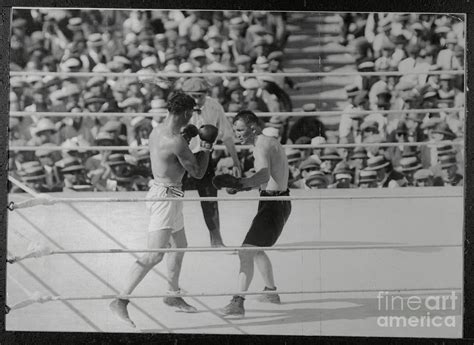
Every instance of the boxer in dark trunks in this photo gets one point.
(271, 178)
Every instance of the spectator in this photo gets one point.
(451, 177)
(252, 100)
(408, 167)
(316, 180)
(74, 176)
(44, 132)
(309, 165)
(33, 176)
(358, 162)
(423, 178)
(342, 176)
(386, 175)
(368, 179)
(329, 160)
(294, 159)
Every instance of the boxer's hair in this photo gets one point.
(249, 118)
(180, 103)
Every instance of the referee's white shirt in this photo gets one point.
(212, 113)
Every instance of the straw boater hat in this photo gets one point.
(309, 107)
(195, 85)
(74, 23)
(250, 84)
(130, 102)
(44, 150)
(367, 176)
(140, 121)
(95, 40)
(422, 174)
(293, 155)
(447, 161)
(111, 126)
(242, 59)
(70, 165)
(445, 150)
(116, 159)
(309, 163)
(410, 164)
(359, 153)
(275, 55)
(342, 170)
(352, 90)
(104, 139)
(143, 155)
(316, 179)
(43, 125)
(95, 81)
(32, 171)
(318, 140)
(377, 163)
(90, 98)
(330, 154)
(443, 128)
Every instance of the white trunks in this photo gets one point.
(165, 215)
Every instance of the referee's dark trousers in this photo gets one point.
(205, 188)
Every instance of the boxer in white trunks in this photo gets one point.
(170, 158)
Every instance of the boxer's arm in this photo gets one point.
(262, 168)
(230, 146)
(194, 164)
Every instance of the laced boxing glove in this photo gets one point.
(227, 181)
(208, 134)
(188, 132)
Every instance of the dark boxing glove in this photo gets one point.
(188, 132)
(208, 134)
(227, 181)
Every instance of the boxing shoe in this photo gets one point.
(179, 303)
(235, 307)
(119, 308)
(269, 298)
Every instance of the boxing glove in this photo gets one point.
(188, 132)
(208, 134)
(227, 181)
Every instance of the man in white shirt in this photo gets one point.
(209, 112)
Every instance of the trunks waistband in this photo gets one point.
(275, 192)
(167, 184)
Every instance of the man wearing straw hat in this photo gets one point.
(271, 177)
(386, 176)
(170, 158)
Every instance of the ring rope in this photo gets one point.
(228, 74)
(42, 250)
(23, 186)
(38, 298)
(296, 113)
(242, 147)
(48, 200)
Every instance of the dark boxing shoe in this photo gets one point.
(269, 298)
(235, 308)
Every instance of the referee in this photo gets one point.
(209, 112)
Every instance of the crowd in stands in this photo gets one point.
(145, 42)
